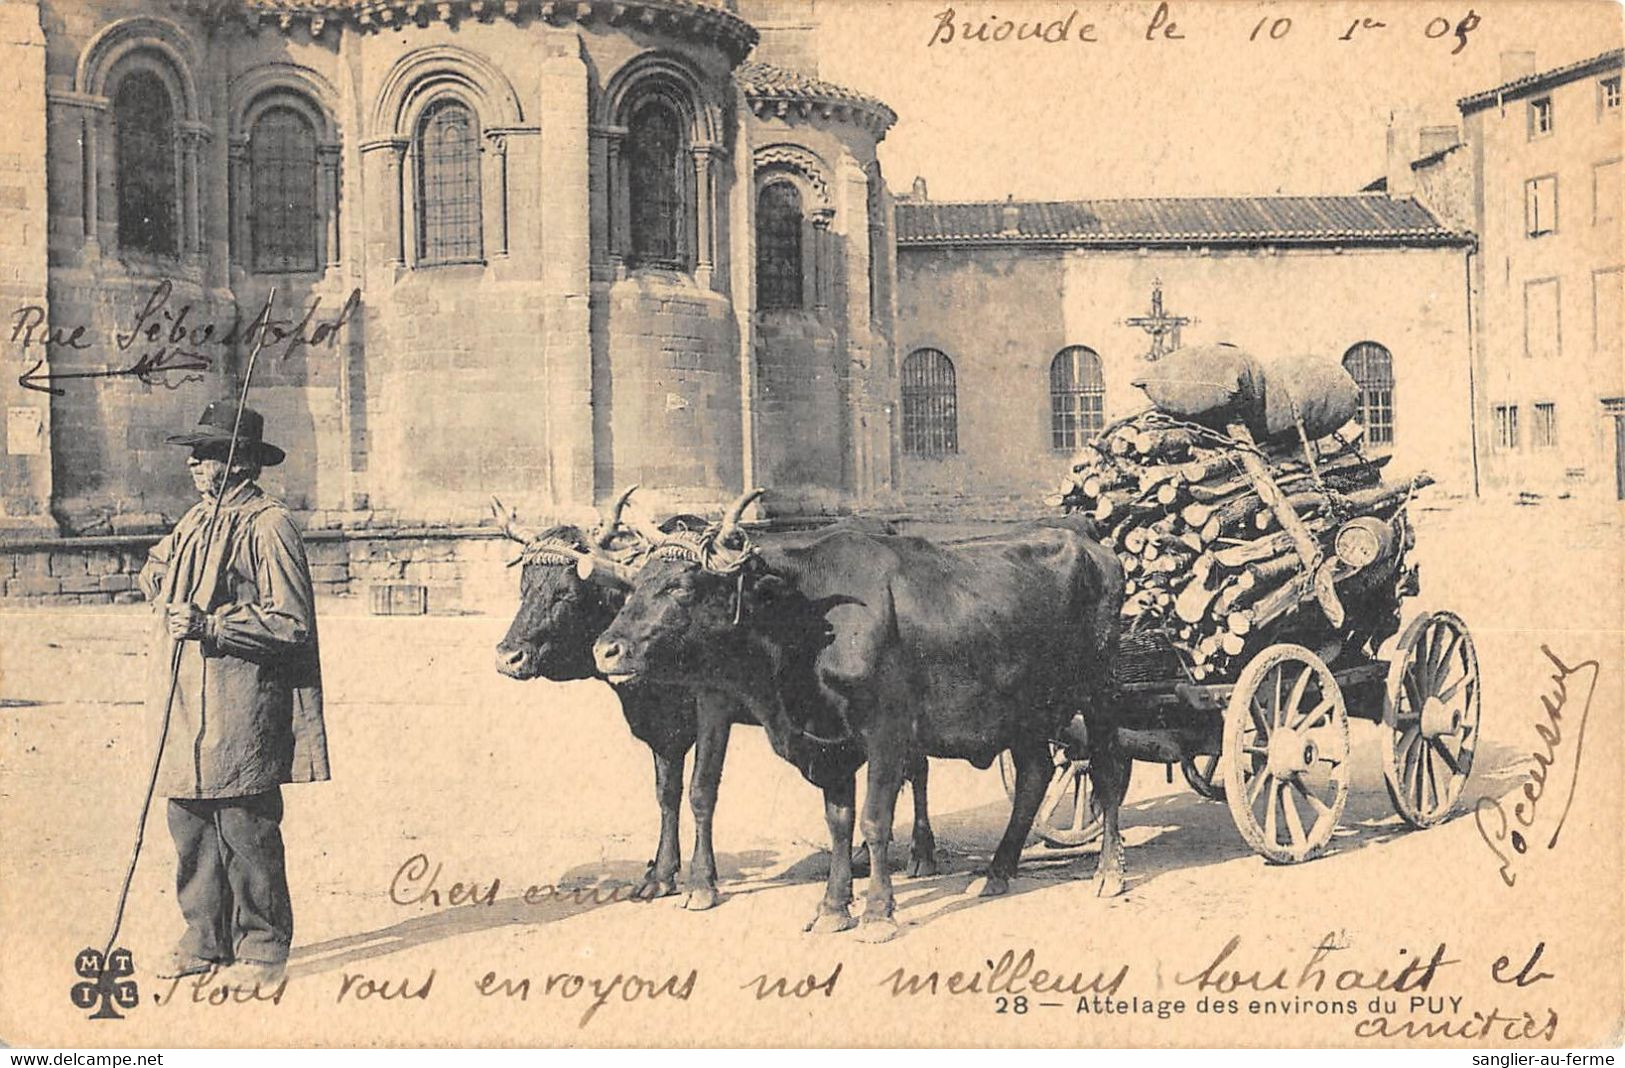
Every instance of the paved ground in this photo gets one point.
(537, 783)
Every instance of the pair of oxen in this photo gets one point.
(857, 647)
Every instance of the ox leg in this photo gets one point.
(709, 753)
(660, 880)
(879, 809)
(1109, 769)
(922, 859)
(1033, 769)
(834, 912)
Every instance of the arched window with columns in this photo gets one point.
(450, 222)
(283, 171)
(661, 136)
(438, 147)
(145, 148)
(285, 214)
(778, 246)
(1077, 397)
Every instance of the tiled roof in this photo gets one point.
(767, 87)
(1534, 82)
(1339, 220)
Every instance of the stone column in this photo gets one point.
(496, 179)
(25, 439)
(328, 203)
(822, 258)
(240, 201)
(704, 206)
(562, 166)
(383, 159)
(851, 190)
(191, 138)
(95, 112)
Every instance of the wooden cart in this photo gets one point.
(1273, 741)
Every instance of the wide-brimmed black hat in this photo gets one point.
(215, 429)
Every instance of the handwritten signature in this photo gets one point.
(171, 343)
(1524, 812)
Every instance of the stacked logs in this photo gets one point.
(1221, 540)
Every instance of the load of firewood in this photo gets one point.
(1223, 540)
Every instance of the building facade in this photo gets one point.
(1022, 326)
(1549, 275)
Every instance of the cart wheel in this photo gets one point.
(1068, 815)
(1199, 773)
(1286, 747)
(1431, 712)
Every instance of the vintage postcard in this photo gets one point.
(812, 522)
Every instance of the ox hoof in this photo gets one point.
(1109, 884)
(922, 866)
(988, 886)
(831, 922)
(880, 929)
(701, 898)
(650, 889)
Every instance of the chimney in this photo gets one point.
(1436, 139)
(1012, 217)
(1515, 65)
(1403, 137)
(918, 192)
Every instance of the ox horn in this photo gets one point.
(649, 532)
(612, 518)
(510, 523)
(730, 521)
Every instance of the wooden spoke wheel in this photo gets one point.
(1068, 816)
(1286, 747)
(1205, 775)
(1431, 712)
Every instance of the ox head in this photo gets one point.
(571, 584)
(691, 590)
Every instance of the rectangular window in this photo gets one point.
(1540, 205)
(1506, 427)
(1541, 336)
(1605, 191)
(1544, 434)
(1540, 117)
(1607, 309)
(1608, 93)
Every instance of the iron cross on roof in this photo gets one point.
(1163, 328)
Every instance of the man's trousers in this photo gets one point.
(230, 879)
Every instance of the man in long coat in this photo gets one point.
(245, 709)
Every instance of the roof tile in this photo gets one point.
(1334, 220)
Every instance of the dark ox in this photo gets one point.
(572, 583)
(889, 649)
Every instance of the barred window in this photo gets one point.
(1545, 428)
(1077, 397)
(778, 246)
(144, 118)
(448, 157)
(930, 404)
(1372, 367)
(285, 220)
(1506, 427)
(654, 144)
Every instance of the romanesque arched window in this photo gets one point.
(1373, 369)
(930, 404)
(285, 218)
(448, 184)
(654, 151)
(148, 190)
(778, 246)
(1077, 397)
